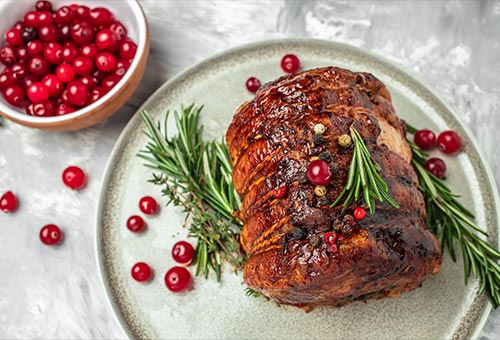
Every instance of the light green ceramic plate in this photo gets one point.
(442, 308)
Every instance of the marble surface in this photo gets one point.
(56, 293)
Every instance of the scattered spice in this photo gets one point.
(326, 156)
(319, 128)
(344, 140)
(280, 192)
(298, 234)
(315, 240)
(324, 200)
(319, 190)
(317, 139)
(330, 237)
(313, 158)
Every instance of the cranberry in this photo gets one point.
(135, 224)
(128, 49)
(98, 75)
(38, 66)
(121, 68)
(183, 252)
(74, 177)
(449, 142)
(318, 172)
(65, 73)
(35, 47)
(29, 33)
(148, 205)
(119, 29)
(253, 84)
(22, 53)
(83, 13)
(64, 109)
(38, 92)
(107, 40)
(101, 17)
(436, 166)
(31, 19)
(330, 237)
(45, 18)
(105, 61)
(110, 81)
(83, 65)
(20, 25)
(77, 93)
(64, 33)
(6, 79)
(141, 272)
(82, 33)
(64, 98)
(53, 53)
(69, 52)
(54, 85)
(14, 37)
(290, 63)
(19, 70)
(96, 94)
(7, 56)
(50, 235)
(177, 279)
(64, 16)
(48, 33)
(43, 109)
(359, 213)
(28, 80)
(14, 95)
(89, 81)
(280, 192)
(89, 51)
(8, 202)
(30, 109)
(43, 6)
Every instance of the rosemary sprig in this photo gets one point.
(196, 175)
(364, 175)
(454, 225)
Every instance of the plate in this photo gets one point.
(442, 308)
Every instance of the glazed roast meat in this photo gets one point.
(272, 140)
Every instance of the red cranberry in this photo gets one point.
(128, 49)
(135, 224)
(64, 16)
(64, 98)
(19, 70)
(77, 93)
(110, 81)
(119, 29)
(449, 142)
(89, 51)
(83, 65)
(43, 109)
(148, 205)
(28, 80)
(253, 84)
(48, 33)
(29, 109)
(6, 79)
(35, 47)
(22, 53)
(177, 279)
(105, 61)
(31, 19)
(45, 18)
(8, 202)
(141, 272)
(54, 84)
(96, 94)
(69, 52)
(290, 63)
(183, 252)
(98, 75)
(101, 17)
(64, 33)
(14, 95)
(436, 166)
(65, 73)
(107, 40)
(330, 237)
(53, 53)
(19, 25)
(38, 66)
(318, 172)
(38, 92)
(82, 33)
(43, 6)
(7, 56)
(64, 109)
(51, 235)
(74, 177)
(83, 13)
(89, 81)
(280, 192)
(121, 68)
(14, 37)
(29, 33)
(359, 213)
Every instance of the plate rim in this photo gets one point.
(192, 69)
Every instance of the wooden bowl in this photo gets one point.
(132, 16)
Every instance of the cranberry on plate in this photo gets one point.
(51, 235)
(177, 279)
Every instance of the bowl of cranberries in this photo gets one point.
(68, 65)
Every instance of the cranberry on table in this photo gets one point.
(359, 213)
(148, 205)
(318, 172)
(141, 272)
(290, 63)
(51, 235)
(449, 142)
(105, 61)
(38, 92)
(177, 279)
(436, 166)
(135, 224)
(253, 84)
(8, 202)
(74, 177)
(14, 95)
(183, 252)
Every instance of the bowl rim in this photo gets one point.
(22, 118)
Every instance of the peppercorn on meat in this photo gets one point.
(300, 250)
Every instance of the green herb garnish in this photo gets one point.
(196, 175)
(364, 175)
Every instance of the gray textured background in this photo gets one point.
(56, 293)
